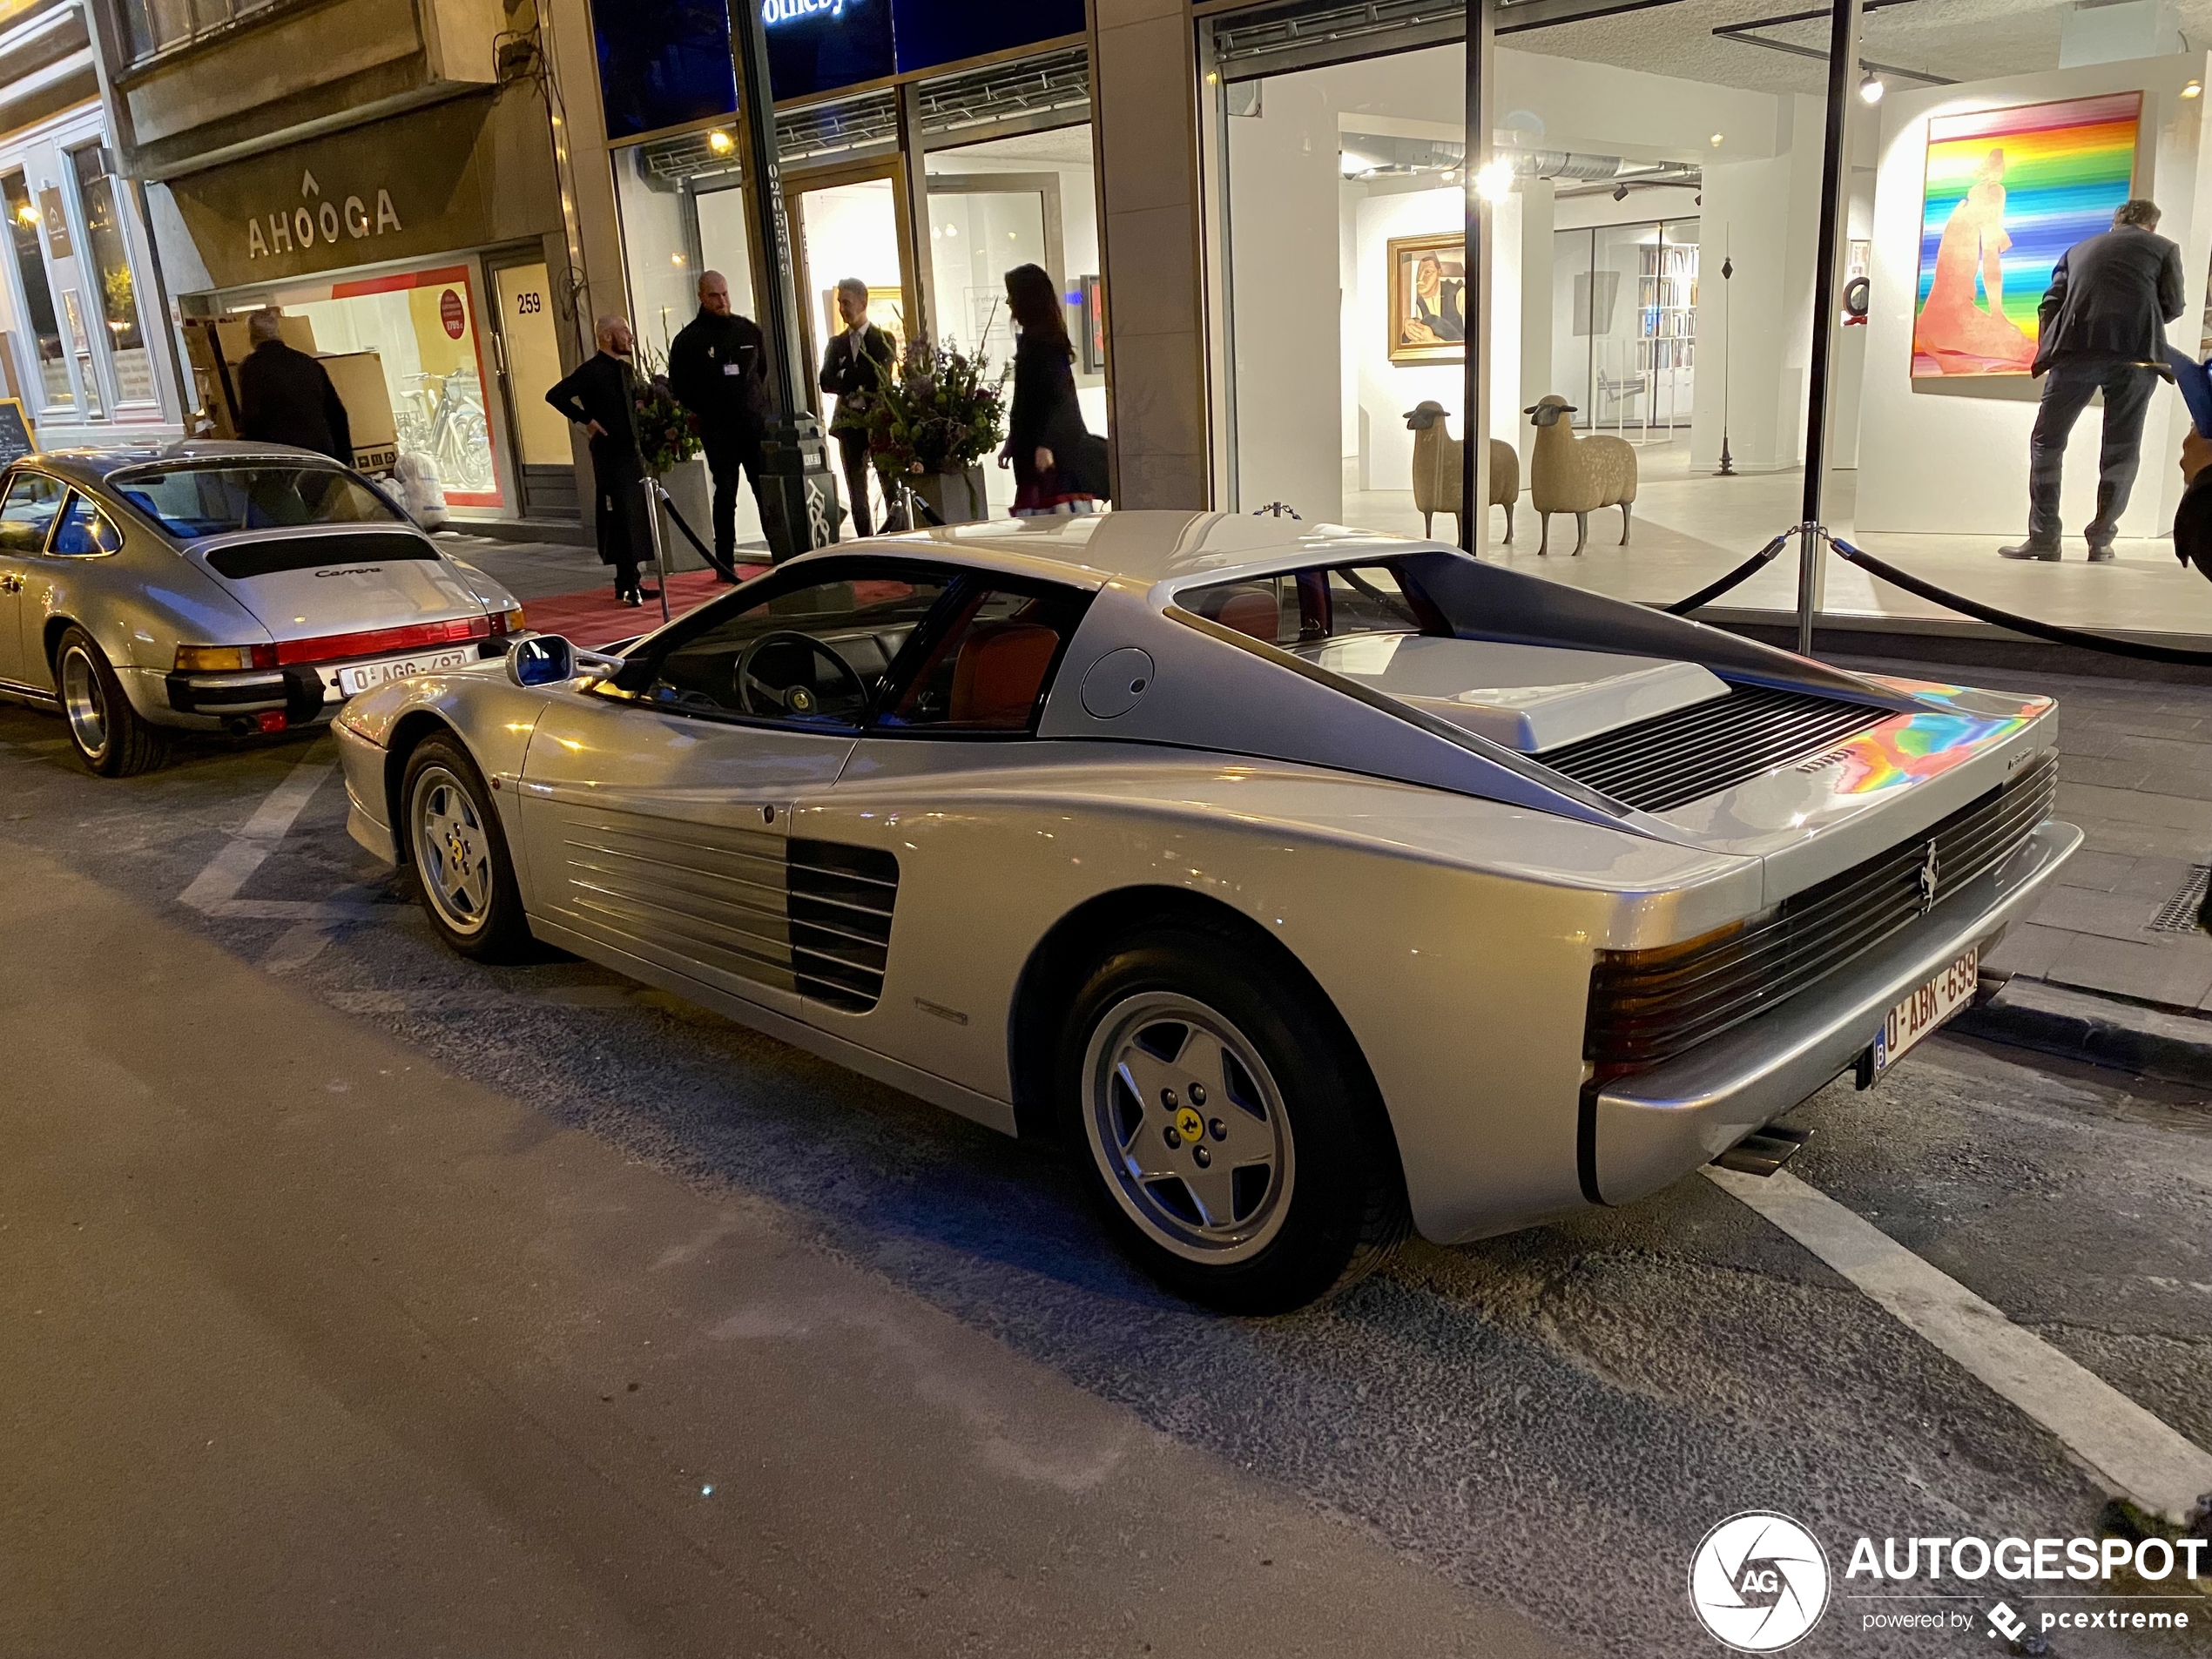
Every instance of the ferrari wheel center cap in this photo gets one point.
(1190, 1125)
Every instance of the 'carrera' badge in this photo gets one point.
(1930, 870)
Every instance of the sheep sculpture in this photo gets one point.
(1577, 476)
(1439, 485)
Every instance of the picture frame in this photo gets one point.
(1426, 322)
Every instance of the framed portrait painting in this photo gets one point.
(1427, 320)
(2006, 194)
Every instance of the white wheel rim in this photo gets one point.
(85, 701)
(452, 850)
(1159, 1065)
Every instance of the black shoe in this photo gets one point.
(2031, 549)
(2100, 553)
(628, 599)
(645, 593)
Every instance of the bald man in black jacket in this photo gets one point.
(601, 396)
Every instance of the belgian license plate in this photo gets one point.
(1926, 1009)
(358, 676)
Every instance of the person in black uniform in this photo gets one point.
(719, 369)
(852, 370)
(285, 396)
(601, 396)
(2100, 327)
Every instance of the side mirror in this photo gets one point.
(541, 659)
(550, 659)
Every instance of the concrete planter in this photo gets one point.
(693, 490)
(956, 497)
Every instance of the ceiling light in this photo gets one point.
(1717, 136)
(2195, 89)
(1352, 166)
(1451, 176)
(1870, 89)
(1493, 179)
(720, 142)
(1619, 192)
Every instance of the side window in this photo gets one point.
(85, 531)
(989, 669)
(814, 656)
(27, 512)
(1306, 607)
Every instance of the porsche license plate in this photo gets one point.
(358, 676)
(1926, 1009)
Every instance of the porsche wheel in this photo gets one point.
(108, 734)
(1229, 1128)
(459, 851)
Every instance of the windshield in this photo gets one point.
(1312, 607)
(193, 501)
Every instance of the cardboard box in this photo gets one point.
(358, 376)
(215, 346)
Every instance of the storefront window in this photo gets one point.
(111, 265)
(37, 294)
(1027, 201)
(682, 214)
(422, 326)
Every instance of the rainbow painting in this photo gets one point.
(2007, 192)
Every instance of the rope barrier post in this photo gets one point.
(1808, 582)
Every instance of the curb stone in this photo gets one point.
(2099, 1030)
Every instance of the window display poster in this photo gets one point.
(2006, 194)
(1427, 297)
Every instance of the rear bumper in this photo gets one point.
(1642, 1132)
(295, 692)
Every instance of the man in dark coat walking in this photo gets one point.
(852, 371)
(602, 397)
(2101, 329)
(285, 396)
(718, 368)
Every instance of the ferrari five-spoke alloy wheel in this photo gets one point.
(1225, 1120)
(452, 851)
(109, 735)
(1187, 1123)
(455, 842)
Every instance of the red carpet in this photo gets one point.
(592, 618)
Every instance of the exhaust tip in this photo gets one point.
(1764, 1152)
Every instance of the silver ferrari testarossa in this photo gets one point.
(1315, 885)
(218, 587)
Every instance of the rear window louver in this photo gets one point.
(241, 560)
(1660, 764)
(841, 899)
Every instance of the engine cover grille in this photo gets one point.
(1697, 751)
(1647, 1006)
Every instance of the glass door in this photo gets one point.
(54, 395)
(528, 351)
(845, 225)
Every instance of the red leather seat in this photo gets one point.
(998, 672)
(1255, 614)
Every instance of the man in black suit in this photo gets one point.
(852, 371)
(718, 368)
(602, 397)
(285, 396)
(2101, 329)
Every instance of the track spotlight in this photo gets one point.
(1870, 89)
(1619, 192)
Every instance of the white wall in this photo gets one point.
(1954, 458)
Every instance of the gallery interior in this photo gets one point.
(1655, 204)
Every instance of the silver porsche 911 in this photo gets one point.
(245, 588)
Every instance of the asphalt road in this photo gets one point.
(357, 1299)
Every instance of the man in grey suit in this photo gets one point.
(2101, 329)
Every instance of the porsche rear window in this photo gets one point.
(1305, 607)
(193, 501)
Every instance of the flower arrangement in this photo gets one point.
(668, 434)
(938, 410)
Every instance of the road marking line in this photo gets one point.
(214, 891)
(2132, 1450)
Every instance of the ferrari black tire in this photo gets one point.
(458, 849)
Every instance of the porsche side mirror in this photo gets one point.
(541, 659)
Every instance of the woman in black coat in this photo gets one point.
(1054, 456)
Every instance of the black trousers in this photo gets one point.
(853, 453)
(2067, 387)
(618, 514)
(728, 449)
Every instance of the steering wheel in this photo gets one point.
(753, 692)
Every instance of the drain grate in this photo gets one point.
(2178, 914)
